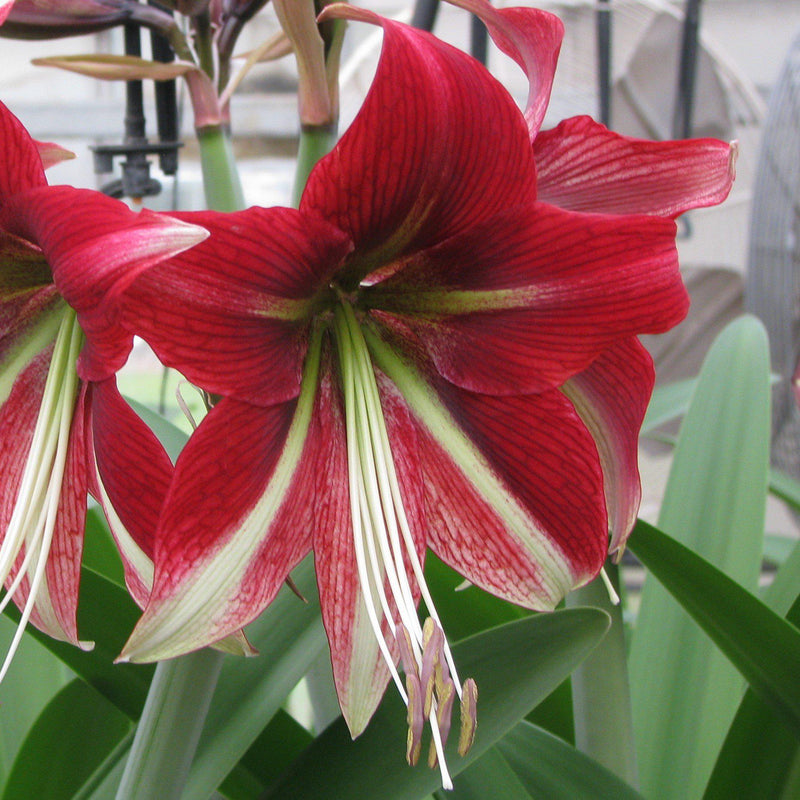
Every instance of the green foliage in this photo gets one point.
(515, 665)
(684, 692)
(70, 739)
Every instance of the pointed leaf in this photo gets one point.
(34, 677)
(466, 610)
(70, 739)
(668, 401)
(106, 614)
(489, 776)
(761, 645)
(270, 755)
(515, 666)
(786, 487)
(756, 728)
(548, 767)
(684, 692)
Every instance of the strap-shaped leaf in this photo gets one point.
(548, 767)
(71, 738)
(515, 666)
(761, 645)
(756, 727)
(684, 691)
(105, 616)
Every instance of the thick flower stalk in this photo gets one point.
(427, 354)
(64, 428)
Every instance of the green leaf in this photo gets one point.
(550, 768)
(465, 611)
(515, 666)
(33, 678)
(100, 554)
(756, 728)
(684, 692)
(70, 739)
(786, 487)
(106, 616)
(761, 645)
(489, 776)
(171, 436)
(778, 548)
(668, 402)
(289, 635)
(601, 690)
(276, 747)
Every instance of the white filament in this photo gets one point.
(381, 532)
(33, 519)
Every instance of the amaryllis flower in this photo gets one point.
(64, 428)
(417, 357)
(582, 166)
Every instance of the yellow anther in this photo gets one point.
(469, 716)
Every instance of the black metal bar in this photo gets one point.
(424, 15)
(478, 39)
(134, 101)
(166, 101)
(687, 72)
(604, 31)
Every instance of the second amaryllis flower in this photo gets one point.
(64, 428)
(392, 359)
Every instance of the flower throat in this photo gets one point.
(383, 546)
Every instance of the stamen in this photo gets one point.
(612, 593)
(386, 556)
(469, 716)
(33, 519)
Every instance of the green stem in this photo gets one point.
(223, 189)
(315, 142)
(170, 727)
(600, 691)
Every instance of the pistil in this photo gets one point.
(384, 549)
(33, 519)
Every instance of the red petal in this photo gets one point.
(525, 301)
(359, 670)
(95, 247)
(59, 592)
(232, 314)
(611, 397)
(585, 167)
(222, 549)
(532, 38)
(22, 167)
(57, 600)
(437, 147)
(543, 456)
(134, 473)
(513, 486)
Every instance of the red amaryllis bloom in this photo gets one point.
(392, 359)
(64, 429)
(582, 166)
